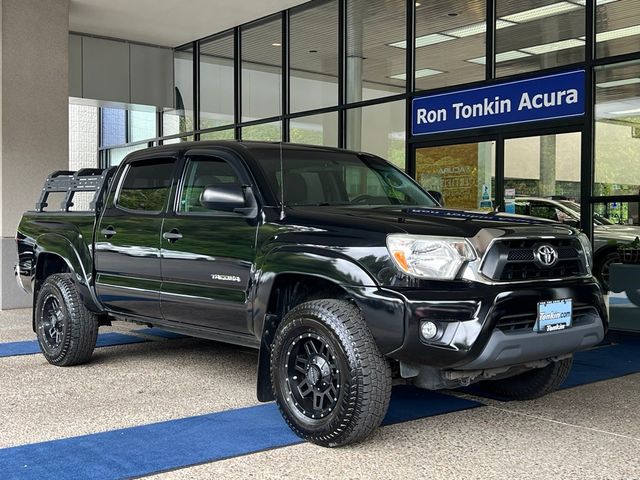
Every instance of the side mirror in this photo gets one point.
(231, 198)
(437, 196)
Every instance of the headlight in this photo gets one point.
(438, 258)
(587, 249)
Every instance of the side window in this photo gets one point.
(200, 173)
(544, 211)
(146, 185)
(522, 208)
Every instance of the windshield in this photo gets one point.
(319, 178)
(597, 218)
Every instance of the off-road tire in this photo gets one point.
(363, 396)
(535, 383)
(78, 327)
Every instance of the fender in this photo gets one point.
(379, 307)
(322, 263)
(79, 262)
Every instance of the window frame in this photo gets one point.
(188, 156)
(123, 176)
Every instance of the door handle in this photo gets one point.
(172, 236)
(108, 232)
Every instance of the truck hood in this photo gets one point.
(360, 233)
(422, 221)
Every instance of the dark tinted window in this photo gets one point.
(146, 185)
(319, 177)
(201, 173)
(542, 210)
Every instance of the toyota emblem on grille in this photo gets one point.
(546, 255)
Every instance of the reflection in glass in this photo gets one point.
(142, 125)
(315, 130)
(461, 174)
(218, 135)
(617, 141)
(546, 166)
(378, 129)
(450, 42)
(266, 132)
(314, 55)
(375, 67)
(617, 27)
(536, 35)
(261, 70)
(617, 261)
(116, 155)
(180, 119)
(216, 82)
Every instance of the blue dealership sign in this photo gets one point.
(559, 95)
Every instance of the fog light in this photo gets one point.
(428, 330)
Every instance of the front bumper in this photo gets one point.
(490, 326)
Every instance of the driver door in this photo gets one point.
(207, 256)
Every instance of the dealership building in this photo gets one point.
(476, 340)
(485, 102)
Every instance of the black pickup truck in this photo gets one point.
(337, 266)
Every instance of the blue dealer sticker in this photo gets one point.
(554, 315)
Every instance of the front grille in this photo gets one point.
(582, 315)
(514, 260)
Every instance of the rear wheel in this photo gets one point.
(532, 384)
(66, 330)
(331, 383)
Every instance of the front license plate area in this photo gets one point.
(554, 315)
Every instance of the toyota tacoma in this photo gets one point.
(336, 265)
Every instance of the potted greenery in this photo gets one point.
(630, 253)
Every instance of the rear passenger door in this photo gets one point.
(127, 246)
(208, 255)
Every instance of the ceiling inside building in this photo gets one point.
(166, 22)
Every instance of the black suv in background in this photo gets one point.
(336, 265)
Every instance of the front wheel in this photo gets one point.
(66, 330)
(532, 384)
(331, 383)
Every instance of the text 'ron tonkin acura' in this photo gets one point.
(337, 266)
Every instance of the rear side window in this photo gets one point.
(146, 185)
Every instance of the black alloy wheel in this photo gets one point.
(331, 383)
(67, 331)
(51, 326)
(312, 374)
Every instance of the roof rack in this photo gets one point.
(70, 182)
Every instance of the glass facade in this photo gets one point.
(343, 73)
(457, 27)
(315, 130)
(262, 69)
(617, 130)
(216, 82)
(314, 56)
(540, 34)
(378, 129)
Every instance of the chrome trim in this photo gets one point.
(473, 270)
